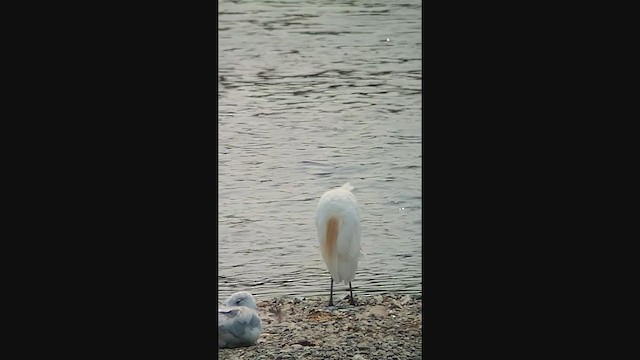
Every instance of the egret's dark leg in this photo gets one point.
(353, 302)
(331, 294)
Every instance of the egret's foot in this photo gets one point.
(352, 301)
(331, 302)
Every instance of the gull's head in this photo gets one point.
(242, 298)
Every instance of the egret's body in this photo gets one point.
(338, 225)
(238, 322)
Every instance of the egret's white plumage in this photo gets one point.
(238, 322)
(338, 225)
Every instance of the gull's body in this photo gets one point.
(238, 322)
(338, 225)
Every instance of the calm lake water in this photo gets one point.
(313, 94)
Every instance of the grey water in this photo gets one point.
(311, 95)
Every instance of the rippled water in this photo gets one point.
(313, 94)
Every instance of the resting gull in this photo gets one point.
(238, 322)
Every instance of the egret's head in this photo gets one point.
(242, 298)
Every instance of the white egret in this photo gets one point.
(338, 225)
(238, 322)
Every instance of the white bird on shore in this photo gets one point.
(338, 224)
(238, 322)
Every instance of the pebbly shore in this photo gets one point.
(386, 326)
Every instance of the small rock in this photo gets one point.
(379, 299)
(305, 342)
(377, 311)
(296, 346)
(358, 357)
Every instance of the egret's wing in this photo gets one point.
(326, 210)
(349, 236)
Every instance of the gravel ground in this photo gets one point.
(387, 326)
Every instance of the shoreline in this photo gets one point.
(385, 326)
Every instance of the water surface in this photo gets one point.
(313, 94)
